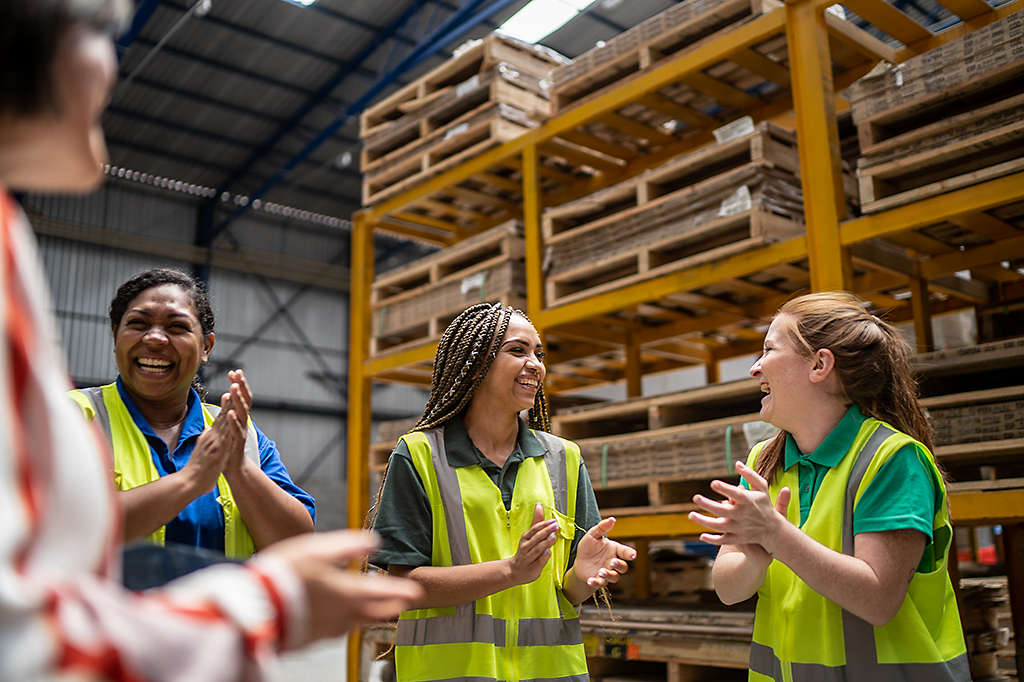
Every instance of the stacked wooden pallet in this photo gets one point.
(652, 454)
(985, 605)
(741, 192)
(676, 577)
(413, 304)
(948, 118)
(488, 93)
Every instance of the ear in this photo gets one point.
(207, 347)
(823, 365)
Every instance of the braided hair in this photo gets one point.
(464, 354)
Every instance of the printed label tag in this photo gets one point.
(457, 130)
(474, 281)
(467, 86)
(737, 202)
(730, 131)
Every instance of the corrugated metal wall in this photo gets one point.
(294, 356)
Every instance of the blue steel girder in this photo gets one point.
(314, 101)
(454, 28)
(143, 13)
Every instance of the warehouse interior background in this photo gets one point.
(234, 143)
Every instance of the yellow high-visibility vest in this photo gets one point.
(800, 635)
(527, 632)
(133, 461)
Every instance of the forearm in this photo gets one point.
(738, 572)
(454, 585)
(846, 580)
(269, 512)
(155, 504)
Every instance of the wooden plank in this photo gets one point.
(756, 62)
(887, 18)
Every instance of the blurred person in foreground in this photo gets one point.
(62, 614)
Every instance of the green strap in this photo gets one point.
(604, 466)
(728, 446)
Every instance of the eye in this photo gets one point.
(541, 355)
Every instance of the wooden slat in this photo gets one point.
(670, 107)
(724, 93)
(859, 39)
(593, 142)
(636, 129)
(757, 63)
(966, 9)
(576, 155)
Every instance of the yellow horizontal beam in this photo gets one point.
(986, 506)
(655, 525)
(934, 210)
(685, 280)
(401, 359)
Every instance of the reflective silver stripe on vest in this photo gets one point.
(555, 461)
(102, 418)
(549, 632)
(451, 498)
(859, 635)
(566, 678)
(461, 628)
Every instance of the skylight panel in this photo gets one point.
(540, 18)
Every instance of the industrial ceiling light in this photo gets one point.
(300, 3)
(540, 18)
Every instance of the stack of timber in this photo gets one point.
(492, 90)
(413, 304)
(678, 635)
(946, 119)
(985, 616)
(388, 433)
(739, 193)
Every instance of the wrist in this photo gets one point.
(773, 538)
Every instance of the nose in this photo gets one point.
(755, 368)
(155, 335)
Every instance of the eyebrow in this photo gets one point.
(142, 311)
(525, 342)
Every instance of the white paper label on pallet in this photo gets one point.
(899, 76)
(737, 202)
(730, 131)
(755, 432)
(457, 130)
(474, 281)
(467, 86)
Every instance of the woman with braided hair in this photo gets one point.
(494, 517)
(841, 522)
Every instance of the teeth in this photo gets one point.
(765, 389)
(153, 363)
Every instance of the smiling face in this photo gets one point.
(517, 372)
(159, 345)
(785, 376)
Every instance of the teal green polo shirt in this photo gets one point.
(404, 520)
(903, 495)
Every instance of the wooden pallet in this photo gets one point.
(649, 44)
(446, 149)
(413, 133)
(532, 60)
(950, 140)
(413, 305)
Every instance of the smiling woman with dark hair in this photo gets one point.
(185, 477)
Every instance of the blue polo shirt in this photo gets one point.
(201, 522)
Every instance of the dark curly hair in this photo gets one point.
(30, 34)
(196, 290)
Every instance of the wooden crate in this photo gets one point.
(415, 132)
(484, 128)
(413, 304)
(947, 119)
(533, 61)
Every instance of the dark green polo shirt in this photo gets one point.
(904, 494)
(404, 520)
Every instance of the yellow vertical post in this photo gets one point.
(531, 228)
(634, 389)
(818, 141)
(359, 388)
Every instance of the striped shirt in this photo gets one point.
(62, 612)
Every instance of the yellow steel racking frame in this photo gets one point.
(828, 234)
